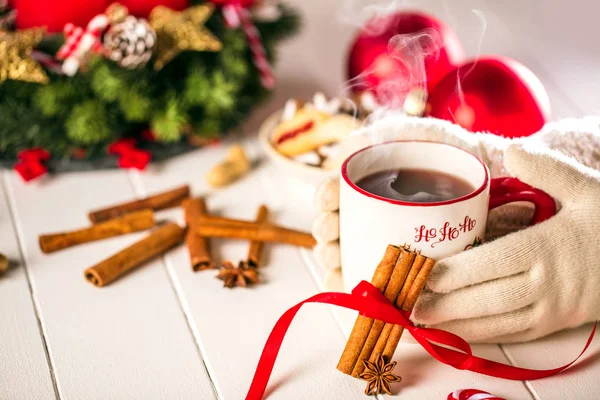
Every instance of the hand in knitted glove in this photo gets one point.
(326, 226)
(532, 282)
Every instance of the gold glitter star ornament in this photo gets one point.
(181, 31)
(15, 56)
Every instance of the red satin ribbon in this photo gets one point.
(369, 301)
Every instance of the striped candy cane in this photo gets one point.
(79, 42)
(472, 394)
(235, 15)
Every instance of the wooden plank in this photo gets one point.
(579, 382)
(128, 340)
(24, 365)
(232, 325)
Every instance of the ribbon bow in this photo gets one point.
(371, 303)
(30, 164)
(129, 155)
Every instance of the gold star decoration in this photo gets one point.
(181, 31)
(15, 56)
(379, 375)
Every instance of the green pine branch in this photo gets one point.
(209, 92)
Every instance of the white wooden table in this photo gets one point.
(164, 332)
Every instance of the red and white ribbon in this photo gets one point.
(79, 42)
(236, 15)
(472, 394)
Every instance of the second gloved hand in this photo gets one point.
(533, 282)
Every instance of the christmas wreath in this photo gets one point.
(111, 85)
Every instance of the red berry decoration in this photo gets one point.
(396, 53)
(493, 94)
(31, 163)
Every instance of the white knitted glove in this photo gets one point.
(326, 226)
(529, 283)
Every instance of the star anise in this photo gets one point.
(233, 276)
(379, 376)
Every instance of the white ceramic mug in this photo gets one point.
(368, 223)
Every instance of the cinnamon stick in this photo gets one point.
(406, 285)
(198, 246)
(120, 263)
(363, 325)
(160, 201)
(128, 223)
(395, 284)
(235, 229)
(217, 220)
(255, 250)
(407, 305)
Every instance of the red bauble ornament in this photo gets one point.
(494, 94)
(142, 8)
(396, 53)
(54, 14)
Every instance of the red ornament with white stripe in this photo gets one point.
(472, 394)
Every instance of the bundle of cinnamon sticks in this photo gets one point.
(138, 215)
(400, 276)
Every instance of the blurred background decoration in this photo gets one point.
(413, 60)
(152, 81)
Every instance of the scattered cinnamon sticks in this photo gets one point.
(198, 247)
(201, 226)
(159, 201)
(136, 221)
(400, 276)
(119, 264)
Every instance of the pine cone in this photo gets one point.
(130, 43)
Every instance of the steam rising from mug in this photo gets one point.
(397, 53)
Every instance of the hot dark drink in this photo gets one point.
(415, 185)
